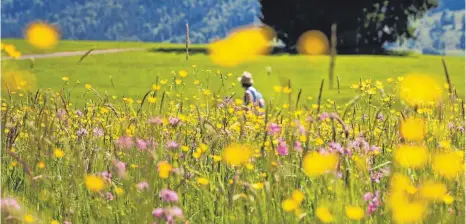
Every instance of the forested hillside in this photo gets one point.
(144, 20)
(164, 20)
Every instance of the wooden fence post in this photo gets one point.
(187, 41)
(333, 54)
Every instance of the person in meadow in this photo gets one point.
(251, 95)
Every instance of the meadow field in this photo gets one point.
(133, 73)
(150, 137)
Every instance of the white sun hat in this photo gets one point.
(246, 78)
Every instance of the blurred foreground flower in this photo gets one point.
(420, 90)
(316, 164)
(432, 190)
(313, 42)
(411, 156)
(13, 79)
(10, 50)
(237, 154)
(448, 164)
(242, 45)
(42, 35)
(413, 129)
(408, 212)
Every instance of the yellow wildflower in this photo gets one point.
(319, 142)
(217, 158)
(119, 191)
(297, 196)
(58, 153)
(94, 183)
(206, 92)
(258, 186)
(445, 144)
(28, 218)
(354, 212)
(183, 73)
(324, 215)
(289, 205)
(447, 199)
(286, 89)
(202, 181)
(164, 169)
(277, 89)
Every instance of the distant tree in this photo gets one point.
(436, 34)
(447, 18)
(363, 25)
(461, 44)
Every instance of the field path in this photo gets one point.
(74, 53)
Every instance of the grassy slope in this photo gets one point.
(134, 72)
(69, 45)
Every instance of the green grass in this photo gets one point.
(133, 73)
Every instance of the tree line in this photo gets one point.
(363, 26)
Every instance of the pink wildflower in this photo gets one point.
(120, 168)
(107, 176)
(141, 144)
(282, 148)
(125, 142)
(168, 195)
(373, 202)
(298, 147)
(274, 129)
(142, 185)
(157, 212)
(174, 121)
(9, 203)
(172, 145)
(155, 120)
(98, 132)
(323, 116)
(109, 196)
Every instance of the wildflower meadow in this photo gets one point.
(392, 154)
